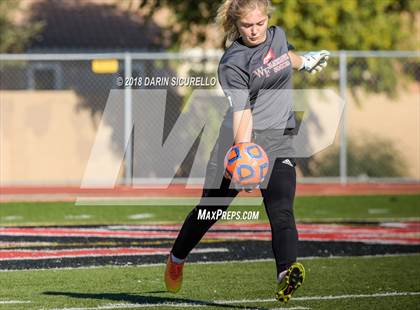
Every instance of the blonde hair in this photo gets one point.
(232, 10)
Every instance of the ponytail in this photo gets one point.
(226, 20)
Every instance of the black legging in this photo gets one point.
(278, 198)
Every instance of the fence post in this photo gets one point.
(343, 131)
(128, 163)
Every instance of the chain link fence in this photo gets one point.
(52, 106)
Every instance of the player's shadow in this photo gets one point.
(146, 300)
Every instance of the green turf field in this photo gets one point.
(332, 283)
(235, 285)
(307, 209)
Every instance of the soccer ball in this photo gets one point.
(246, 164)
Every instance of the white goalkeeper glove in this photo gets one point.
(314, 62)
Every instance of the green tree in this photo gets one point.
(348, 24)
(329, 24)
(323, 24)
(13, 38)
(353, 25)
(370, 156)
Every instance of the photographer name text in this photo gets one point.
(192, 81)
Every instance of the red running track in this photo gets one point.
(399, 233)
(387, 233)
(99, 252)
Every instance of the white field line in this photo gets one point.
(245, 261)
(221, 302)
(125, 306)
(339, 220)
(166, 305)
(10, 302)
(330, 297)
(78, 217)
(296, 308)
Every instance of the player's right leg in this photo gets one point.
(173, 274)
(217, 195)
(192, 231)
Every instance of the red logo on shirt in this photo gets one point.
(270, 56)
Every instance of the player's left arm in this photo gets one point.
(296, 60)
(312, 62)
(242, 126)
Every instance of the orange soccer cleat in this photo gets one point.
(173, 275)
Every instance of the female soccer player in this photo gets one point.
(255, 73)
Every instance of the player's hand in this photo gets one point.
(246, 188)
(314, 62)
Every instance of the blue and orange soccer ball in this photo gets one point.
(246, 164)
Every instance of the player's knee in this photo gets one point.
(280, 207)
(282, 218)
